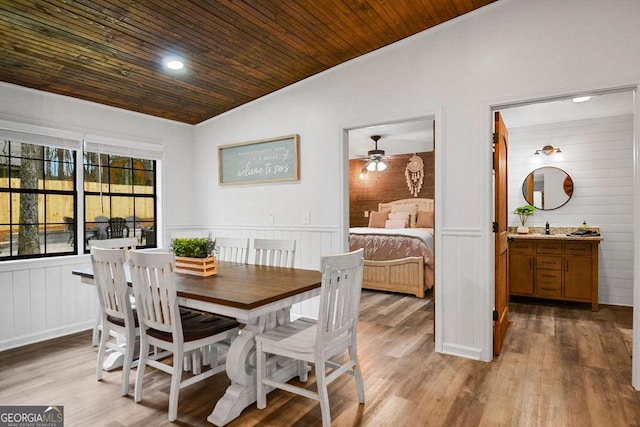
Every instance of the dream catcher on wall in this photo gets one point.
(415, 174)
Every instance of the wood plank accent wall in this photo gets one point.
(385, 186)
(598, 155)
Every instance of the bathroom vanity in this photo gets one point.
(554, 266)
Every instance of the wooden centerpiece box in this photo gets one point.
(197, 266)
(194, 255)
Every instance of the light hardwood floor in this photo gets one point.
(562, 365)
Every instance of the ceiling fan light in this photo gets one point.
(371, 166)
(381, 166)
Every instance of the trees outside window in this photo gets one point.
(37, 193)
(38, 199)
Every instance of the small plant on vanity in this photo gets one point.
(524, 212)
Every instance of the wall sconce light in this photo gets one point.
(548, 150)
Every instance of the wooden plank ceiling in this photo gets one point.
(112, 52)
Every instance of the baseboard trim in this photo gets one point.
(45, 335)
(462, 351)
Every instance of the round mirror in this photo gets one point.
(547, 188)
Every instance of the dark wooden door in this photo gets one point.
(501, 308)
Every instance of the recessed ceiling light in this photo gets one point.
(581, 99)
(175, 64)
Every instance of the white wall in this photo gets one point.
(598, 155)
(510, 51)
(507, 52)
(39, 299)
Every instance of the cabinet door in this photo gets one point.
(578, 277)
(520, 274)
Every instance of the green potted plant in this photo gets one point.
(195, 255)
(524, 212)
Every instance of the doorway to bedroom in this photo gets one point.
(390, 212)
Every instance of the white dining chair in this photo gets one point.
(233, 249)
(276, 253)
(311, 341)
(126, 243)
(161, 325)
(116, 312)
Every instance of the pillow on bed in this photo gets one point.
(425, 219)
(399, 216)
(411, 210)
(377, 219)
(396, 223)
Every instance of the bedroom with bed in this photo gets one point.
(391, 208)
(398, 247)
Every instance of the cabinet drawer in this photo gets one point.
(548, 290)
(577, 248)
(549, 283)
(549, 276)
(551, 248)
(549, 262)
(520, 247)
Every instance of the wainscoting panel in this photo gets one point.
(41, 299)
(461, 293)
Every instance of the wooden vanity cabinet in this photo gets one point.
(554, 269)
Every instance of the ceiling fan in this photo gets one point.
(376, 157)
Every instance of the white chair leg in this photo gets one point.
(176, 377)
(102, 349)
(261, 361)
(206, 355)
(303, 372)
(323, 395)
(95, 338)
(128, 360)
(187, 363)
(213, 355)
(142, 363)
(196, 362)
(357, 373)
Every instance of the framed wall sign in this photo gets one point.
(267, 160)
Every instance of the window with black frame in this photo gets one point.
(37, 199)
(119, 198)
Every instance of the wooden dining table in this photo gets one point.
(259, 297)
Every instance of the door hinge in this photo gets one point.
(495, 315)
(495, 227)
(494, 138)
